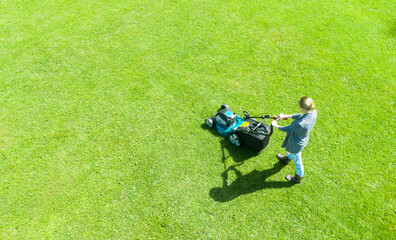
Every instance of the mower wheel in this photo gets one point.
(234, 139)
(209, 122)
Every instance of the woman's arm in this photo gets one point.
(284, 117)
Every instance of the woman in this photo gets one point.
(297, 136)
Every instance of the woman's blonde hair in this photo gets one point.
(307, 103)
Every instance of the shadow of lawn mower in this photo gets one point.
(246, 130)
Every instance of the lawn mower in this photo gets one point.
(246, 130)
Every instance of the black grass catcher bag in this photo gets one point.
(254, 134)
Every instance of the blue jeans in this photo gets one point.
(298, 163)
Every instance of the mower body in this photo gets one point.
(227, 130)
(246, 130)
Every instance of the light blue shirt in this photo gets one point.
(297, 136)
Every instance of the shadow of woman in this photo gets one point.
(248, 183)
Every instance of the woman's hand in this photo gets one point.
(275, 124)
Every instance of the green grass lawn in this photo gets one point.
(103, 104)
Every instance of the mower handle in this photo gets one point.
(247, 115)
(263, 117)
(272, 127)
